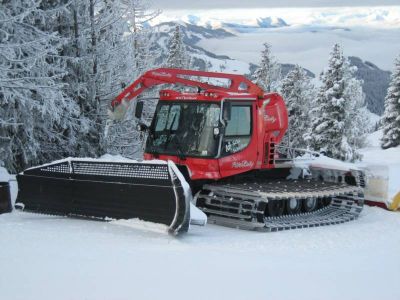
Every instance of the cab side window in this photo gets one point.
(238, 130)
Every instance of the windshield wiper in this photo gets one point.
(181, 154)
(169, 132)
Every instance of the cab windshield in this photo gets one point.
(185, 128)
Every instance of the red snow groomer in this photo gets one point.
(224, 139)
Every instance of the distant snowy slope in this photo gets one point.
(194, 36)
(374, 119)
(201, 58)
(374, 139)
(376, 83)
(193, 33)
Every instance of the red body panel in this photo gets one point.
(269, 124)
(269, 120)
(199, 168)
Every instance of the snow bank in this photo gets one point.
(141, 225)
(323, 162)
(197, 217)
(384, 164)
(374, 139)
(382, 168)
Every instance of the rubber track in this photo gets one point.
(242, 205)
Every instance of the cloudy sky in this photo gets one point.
(215, 4)
(369, 29)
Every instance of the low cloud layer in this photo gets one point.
(213, 4)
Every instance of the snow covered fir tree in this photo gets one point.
(39, 120)
(339, 122)
(298, 93)
(391, 117)
(177, 56)
(121, 136)
(62, 63)
(268, 74)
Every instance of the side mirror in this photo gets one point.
(139, 109)
(226, 115)
(141, 127)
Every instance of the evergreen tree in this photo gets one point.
(101, 62)
(62, 62)
(267, 75)
(177, 55)
(106, 49)
(298, 93)
(38, 120)
(391, 117)
(338, 125)
(358, 122)
(121, 137)
(139, 15)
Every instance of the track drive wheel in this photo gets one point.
(293, 206)
(275, 208)
(310, 204)
(326, 201)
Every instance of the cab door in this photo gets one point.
(238, 151)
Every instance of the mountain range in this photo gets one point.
(375, 83)
(375, 80)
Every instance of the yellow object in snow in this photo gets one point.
(396, 202)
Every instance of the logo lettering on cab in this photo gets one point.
(161, 74)
(242, 164)
(269, 119)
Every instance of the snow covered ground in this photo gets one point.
(45, 257)
(50, 257)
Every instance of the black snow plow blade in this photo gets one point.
(106, 190)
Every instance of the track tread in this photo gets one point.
(346, 203)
